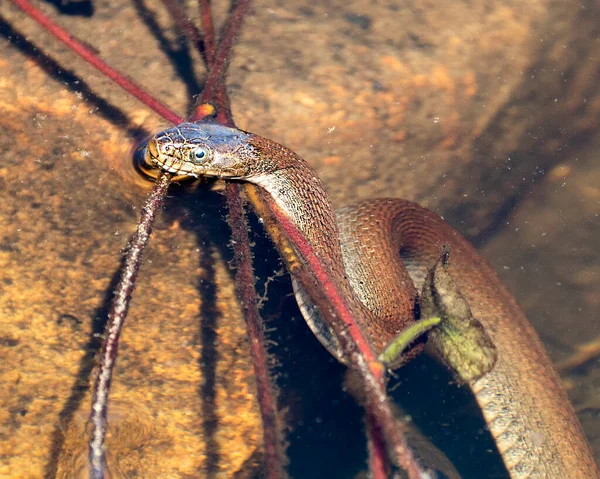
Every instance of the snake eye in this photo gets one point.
(199, 155)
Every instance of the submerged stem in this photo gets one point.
(208, 28)
(214, 91)
(117, 315)
(189, 30)
(89, 56)
(244, 280)
(310, 272)
(214, 101)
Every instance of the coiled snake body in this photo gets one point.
(379, 251)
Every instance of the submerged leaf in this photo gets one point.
(460, 338)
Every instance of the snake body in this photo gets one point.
(378, 253)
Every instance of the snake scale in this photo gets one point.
(378, 252)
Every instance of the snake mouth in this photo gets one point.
(175, 166)
(152, 161)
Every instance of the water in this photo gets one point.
(448, 104)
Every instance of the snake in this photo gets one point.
(378, 252)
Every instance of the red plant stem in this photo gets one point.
(378, 464)
(208, 28)
(186, 25)
(341, 319)
(341, 310)
(116, 319)
(90, 57)
(222, 54)
(244, 280)
(213, 89)
(244, 277)
(364, 358)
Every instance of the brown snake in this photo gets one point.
(378, 252)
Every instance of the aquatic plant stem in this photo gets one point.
(375, 383)
(378, 463)
(214, 100)
(214, 92)
(90, 57)
(208, 27)
(116, 319)
(308, 269)
(189, 30)
(244, 280)
(372, 369)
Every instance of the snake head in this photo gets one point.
(200, 149)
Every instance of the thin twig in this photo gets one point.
(90, 57)
(214, 92)
(216, 97)
(189, 30)
(363, 358)
(325, 295)
(208, 28)
(117, 315)
(244, 280)
(378, 463)
(217, 61)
